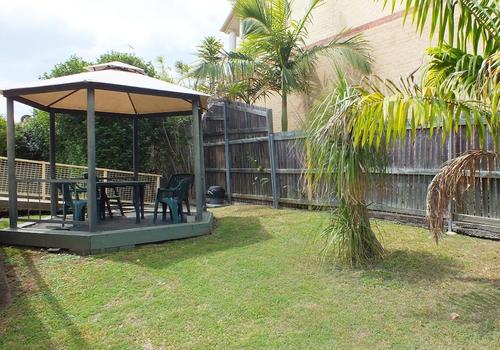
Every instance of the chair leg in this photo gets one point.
(78, 212)
(181, 212)
(82, 213)
(174, 210)
(155, 214)
(120, 206)
(108, 205)
(164, 212)
(64, 214)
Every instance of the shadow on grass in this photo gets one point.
(228, 233)
(5, 294)
(478, 304)
(414, 267)
(30, 324)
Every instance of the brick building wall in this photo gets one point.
(397, 49)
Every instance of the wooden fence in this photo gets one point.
(28, 170)
(267, 167)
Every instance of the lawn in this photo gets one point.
(257, 283)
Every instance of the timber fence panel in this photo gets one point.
(246, 150)
(39, 170)
(412, 164)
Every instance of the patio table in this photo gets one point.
(138, 193)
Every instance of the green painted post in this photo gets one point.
(52, 163)
(197, 152)
(202, 158)
(135, 148)
(11, 163)
(91, 160)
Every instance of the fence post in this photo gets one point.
(43, 184)
(227, 152)
(272, 159)
(308, 181)
(450, 204)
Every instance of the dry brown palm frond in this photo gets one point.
(454, 178)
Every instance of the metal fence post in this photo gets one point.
(227, 152)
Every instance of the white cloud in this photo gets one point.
(38, 34)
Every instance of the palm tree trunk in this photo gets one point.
(284, 110)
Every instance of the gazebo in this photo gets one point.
(111, 90)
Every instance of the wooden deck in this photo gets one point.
(112, 234)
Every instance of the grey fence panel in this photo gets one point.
(412, 164)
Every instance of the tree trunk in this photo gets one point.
(284, 110)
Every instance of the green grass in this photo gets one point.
(256, 283)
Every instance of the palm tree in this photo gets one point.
(456, 85)
(231, 75)
(337, 169)
(460, 82)
(209, 71)
(278, 43)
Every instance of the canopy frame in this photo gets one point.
(15, 94)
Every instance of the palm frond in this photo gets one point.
(387, 111)
(452, 180)
(254, 16)
(277, 41)
(454, 72)
(456, 22)
(353, 51)
(300, 27)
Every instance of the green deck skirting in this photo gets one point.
(91, 243)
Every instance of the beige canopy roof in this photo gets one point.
(120, 89)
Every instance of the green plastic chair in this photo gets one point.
(107, 198)
(173, 182)
(172, 198)
(71, 200)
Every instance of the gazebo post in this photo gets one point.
(91, 161)
(202, 160)
(135, 148)
(11, 163)
(197, 152)
(52, 163)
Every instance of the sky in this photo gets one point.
(37, 34)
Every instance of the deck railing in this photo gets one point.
(39, 170)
